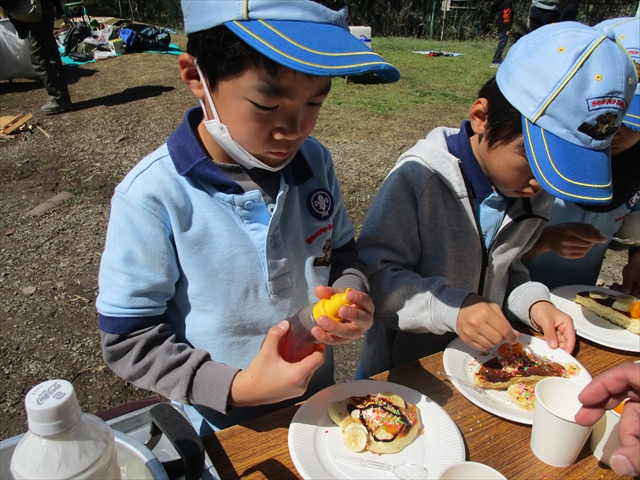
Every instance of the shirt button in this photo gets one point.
(248, 205)
(272, 241)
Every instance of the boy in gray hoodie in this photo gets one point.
(445, 233)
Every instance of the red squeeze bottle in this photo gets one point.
(299, 343)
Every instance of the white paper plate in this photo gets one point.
(314, 440)
(589, 325)
(463, 361)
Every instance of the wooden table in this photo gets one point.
(258, 448)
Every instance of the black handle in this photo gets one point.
(167, 420)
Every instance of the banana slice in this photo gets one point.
(598, 295)
(571, 369)
(355, 437)
(624, 302)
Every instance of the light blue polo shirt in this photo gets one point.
(213, 260)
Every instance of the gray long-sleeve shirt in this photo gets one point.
(425, 252)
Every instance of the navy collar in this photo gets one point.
(459, 146)
(192, 160)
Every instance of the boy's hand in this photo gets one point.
(357, 318)
(557, 326)
(271, 379)
(571, 240)
(481, 324)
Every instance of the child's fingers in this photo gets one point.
(312, 362)
(274, 335)
(551, 337)
(336, 332)
(361, 299)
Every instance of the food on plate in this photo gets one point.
(622, 310)
(514, 365)
(524, 396)
(378, 423)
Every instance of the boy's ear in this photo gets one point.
(478, 115)
(189, 75)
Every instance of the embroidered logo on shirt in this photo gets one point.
(320, 204)
(319, 232)
(324, 261)
(633, 200)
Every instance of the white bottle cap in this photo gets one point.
(52, 407)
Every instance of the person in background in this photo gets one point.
(419, 28)
(543, 12)
(45, 57)
(445, 232)
(571, 249)
(570, 12)
(237, 221)
(505, 21)
(605, 392)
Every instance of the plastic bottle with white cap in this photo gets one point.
(62, 442)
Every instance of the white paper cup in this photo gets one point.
(556, 438)
(471, 471)
(604, 439)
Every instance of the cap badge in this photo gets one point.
(604, 127)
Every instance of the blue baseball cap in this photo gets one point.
(572, 84)
(310, 36)
(628, 34)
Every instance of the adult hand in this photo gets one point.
(271, 379)
(481, 324)
(556, 325)
(605, 392)
(356, 318)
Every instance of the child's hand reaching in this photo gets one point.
(481, 324)
(569, 240)
(556, 326)
(357, 318)
(271, 379)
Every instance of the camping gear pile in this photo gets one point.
(86, 40)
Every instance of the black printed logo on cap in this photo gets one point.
(320, 204)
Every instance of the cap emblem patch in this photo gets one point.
(604, 127)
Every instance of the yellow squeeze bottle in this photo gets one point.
(299, 343)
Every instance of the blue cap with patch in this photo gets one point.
(572, 84)
(309, 36)
(628, 34)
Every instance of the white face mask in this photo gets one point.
(220, 133)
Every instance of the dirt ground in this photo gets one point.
(125, 108)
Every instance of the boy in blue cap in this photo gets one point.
(237, 222)
(445, 233)
(571, 249)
